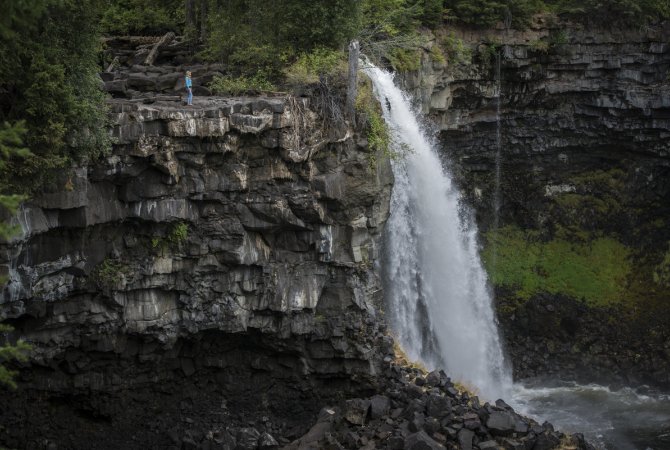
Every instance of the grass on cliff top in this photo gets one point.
(595, 271)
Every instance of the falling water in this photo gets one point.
(498, 159)
(438, 293)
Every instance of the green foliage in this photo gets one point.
(432, 13)
(258, 35)
(228, 85)
(309, 68)
(11, 352)
(378, 133)
(518, 13)
(555, 39)
(457, 51)
(596, 270)
(487, 53)
(135, 17)
(178, 233)
(405, 60)
(175, 238)
(539, 46)
(596, 199)
(49, 83)
(387, 18)
(613, 12)
(108, 273)
(558, 37)
(11, 146)
(436, 55)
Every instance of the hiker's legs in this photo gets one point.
(190, 96)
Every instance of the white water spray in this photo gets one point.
(440, 305)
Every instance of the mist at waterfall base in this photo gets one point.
(439, 303)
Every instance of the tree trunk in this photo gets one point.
(354, 53)
(190, 29)
(153, 54)
(204, 5)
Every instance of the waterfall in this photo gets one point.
(438, 297)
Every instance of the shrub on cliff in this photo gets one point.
(311, 67)
(8, 352)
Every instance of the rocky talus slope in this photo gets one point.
(584, 126)
(425, 411)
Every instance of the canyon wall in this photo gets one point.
(579, 250)
(217, 268)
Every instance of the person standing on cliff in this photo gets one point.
(189, 85)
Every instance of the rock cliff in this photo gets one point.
(217, 267)
(577, 124)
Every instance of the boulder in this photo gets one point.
(356, 411)
(501, 423)
(465, 437)
(421, 441)
(379, 406)
(247, 439)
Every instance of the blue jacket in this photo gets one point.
(188, 82)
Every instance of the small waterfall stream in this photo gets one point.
(498, 158)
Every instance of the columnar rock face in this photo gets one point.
(218, 265)
(584, 153)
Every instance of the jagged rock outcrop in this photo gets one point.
(584, 127)
(217, 268)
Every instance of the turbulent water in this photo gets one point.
(441, 309)
(621, 420)
(441, 306)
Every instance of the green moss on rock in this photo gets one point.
(595, 271)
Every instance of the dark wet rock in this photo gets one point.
(356, 411)
(266, 441)
(247, 439)
(438, 406)
(546, 441)
(501, 423)
(417, 422)
(512, 444)
(465, 437)
(471, 421)
(433, 378)
(421, 441)
(379, 406)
